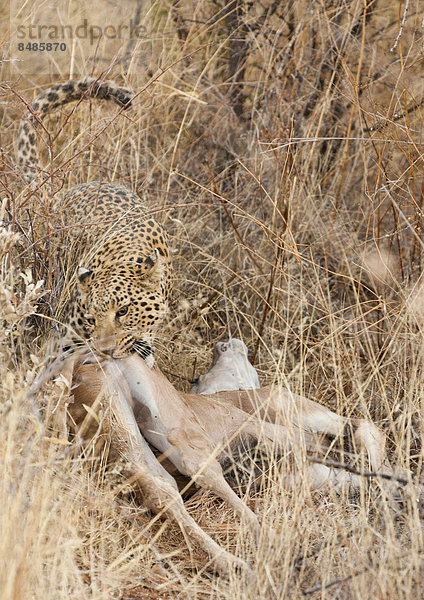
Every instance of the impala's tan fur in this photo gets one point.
(193, 430)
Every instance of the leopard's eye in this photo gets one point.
(122, 311)
(90, 320)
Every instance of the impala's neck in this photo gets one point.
(140, 379)
(156, 404)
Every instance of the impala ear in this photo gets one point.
(83, 273)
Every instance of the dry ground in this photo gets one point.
(281, 146)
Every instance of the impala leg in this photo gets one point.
(316, 418)
(319, 476)
(293, 440)
(204, 469)
(212, 478)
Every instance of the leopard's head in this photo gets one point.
(122, 305)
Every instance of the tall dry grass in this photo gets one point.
(281, 146)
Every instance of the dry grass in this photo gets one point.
(282, 149)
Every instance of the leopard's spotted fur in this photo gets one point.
(121, 288)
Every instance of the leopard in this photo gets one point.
(121, 262)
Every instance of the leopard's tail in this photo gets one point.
(27, 152)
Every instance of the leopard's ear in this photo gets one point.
(149, 265)
(83, 274)
(152, 259)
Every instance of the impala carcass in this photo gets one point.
(194, 431)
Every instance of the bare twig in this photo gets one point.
(267, 304)
(401, 26)
(334, 464)
(325, 586)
